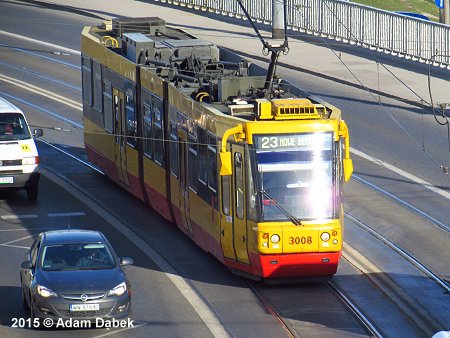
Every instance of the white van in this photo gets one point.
(19, 159)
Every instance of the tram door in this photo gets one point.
(183, 148)
(120, 153)
(239, 204)
(233, 224)
(226, 218)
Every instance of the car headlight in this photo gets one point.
(119, 290)
(45, 292)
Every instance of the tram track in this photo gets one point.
(410, 258)
(405, 302)
(407, 305)
(402, 203)
(173, 272)
(254, 287)
(353, 308)
(381, 281)
(399, 297)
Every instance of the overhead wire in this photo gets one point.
(378, 100)
(368, 90)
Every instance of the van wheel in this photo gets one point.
(32, 193)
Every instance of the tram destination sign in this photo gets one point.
(321, 141)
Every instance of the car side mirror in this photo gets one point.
(27, 265)
(38, 133)
(126, 261)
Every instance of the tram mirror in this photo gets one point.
(348, 169)
(225, 163)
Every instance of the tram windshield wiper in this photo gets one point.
(294, 219)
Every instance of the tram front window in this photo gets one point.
(296, 180)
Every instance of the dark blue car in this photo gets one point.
(75, 274)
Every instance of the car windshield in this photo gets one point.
(13, 127)
(92, 256)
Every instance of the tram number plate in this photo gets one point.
(300, 240)
(84, 307)
(6, 180)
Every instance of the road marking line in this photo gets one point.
(16, 240)
(206, 314)
(34, 89)
(48, 112)
(18, 216)
(15, 246)
(405, 174)
(39, 42)
(121, 330)
(26, 229)
(64, 214)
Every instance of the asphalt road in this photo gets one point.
(389, 132)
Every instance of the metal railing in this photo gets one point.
(380, 30)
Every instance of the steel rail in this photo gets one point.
(269, 308)
(401, 252)
(367, 324)
(71, 155)
(402, 203)
(173, 271)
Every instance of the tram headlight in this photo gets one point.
(325, 236)
(275, 239)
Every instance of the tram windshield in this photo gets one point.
(296, 176)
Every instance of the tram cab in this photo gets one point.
(286, 180)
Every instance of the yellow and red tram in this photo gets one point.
(253, 176)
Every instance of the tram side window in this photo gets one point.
(117, 109)
(252, 211)
(87, 79)
(202, 156)
(97, 83)
(107, 106)
(212, 163)
(193, 164)
(226, 194)
(173, 150)
(158, 137)
(131, 127)
(148, 130)
(239, 185)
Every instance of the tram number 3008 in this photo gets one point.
(300, 240)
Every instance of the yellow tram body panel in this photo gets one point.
(225, 116)
(100, 141)
(298, 239)
(155, 176)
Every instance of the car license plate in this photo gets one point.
(84, 307)
(6, 180)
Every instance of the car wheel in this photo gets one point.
(32, 316)
(24, 301)
(32, 192)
